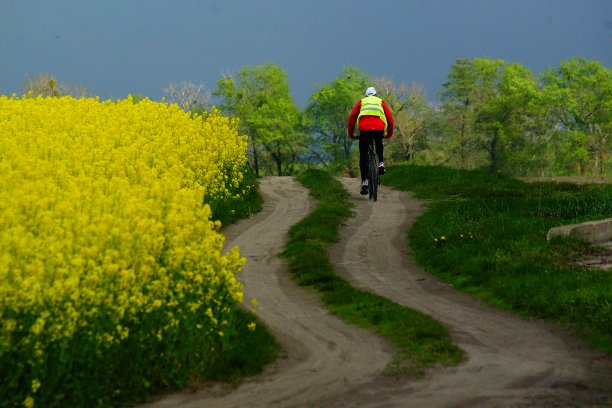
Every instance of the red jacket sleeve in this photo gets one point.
(353, 119)
(390, 122)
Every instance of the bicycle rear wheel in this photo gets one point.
(373, 178)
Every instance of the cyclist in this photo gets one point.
(374, 121)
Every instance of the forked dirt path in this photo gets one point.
(324, 356)
(511, 362)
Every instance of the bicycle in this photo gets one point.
(373, 177)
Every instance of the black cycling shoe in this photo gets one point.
(381, 169)
(364, 189)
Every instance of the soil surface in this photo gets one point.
(510, 361)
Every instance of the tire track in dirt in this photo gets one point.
(510, 361)
(324, 356)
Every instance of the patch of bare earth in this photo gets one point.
(599, 256)
(511, 361)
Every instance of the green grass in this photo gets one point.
(495, 243)
(420, 340)
(245, 352)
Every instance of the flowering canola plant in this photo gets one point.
(106, 246)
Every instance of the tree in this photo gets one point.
(601, 145)
(47, 85)
(411, 112)
(471, 85)
(494, 116)
(188, 95)
(259, 96)
(275, 123)
(513, 123)
(326, 117)
(579, 97)
(527, 125)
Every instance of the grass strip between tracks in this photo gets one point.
(421, 341)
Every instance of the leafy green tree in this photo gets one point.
(513, 123)
(326, 117)
(601, 144)
(579, 97)
(259, 96)
(276, 125)
(495, 117)
(434, 150)
(471, 85)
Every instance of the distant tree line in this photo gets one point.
(490, 114)
(499, 115)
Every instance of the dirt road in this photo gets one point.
(511, 362)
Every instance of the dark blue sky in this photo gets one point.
(117, 47)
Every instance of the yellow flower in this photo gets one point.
(28, 402)
(9, 325)
(102, 218)
(38, 326)
(35, 385)
(251, 326)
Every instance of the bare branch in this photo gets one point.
(188, 95)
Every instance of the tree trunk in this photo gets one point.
(493, 154)
(255, 160)
(462, 146)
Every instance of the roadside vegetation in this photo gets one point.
(113, 284)
(486, 235)
(421, 341)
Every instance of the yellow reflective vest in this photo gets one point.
(372, 106)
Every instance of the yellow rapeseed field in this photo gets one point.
(103, 231)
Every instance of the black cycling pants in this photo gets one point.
(364, 141)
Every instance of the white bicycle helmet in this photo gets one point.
(371, 91)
